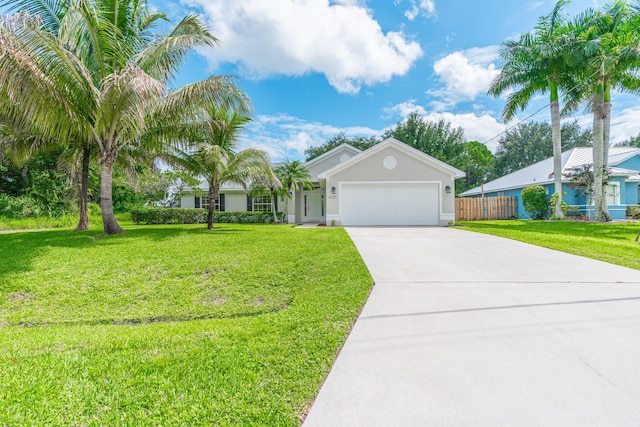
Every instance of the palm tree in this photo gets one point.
(268, 184)
(535, 64)
(212, 139)
(609, 47)
(294, 176)
(102, 79)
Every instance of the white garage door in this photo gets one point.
(389, 204)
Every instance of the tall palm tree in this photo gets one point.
(293, 175)
(609, 48)
(211, 152)
(103, 78)
(535, 64)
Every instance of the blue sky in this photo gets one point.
(314, 68)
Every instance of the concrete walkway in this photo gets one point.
(465, 329)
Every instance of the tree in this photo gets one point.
(535, 201)
(103, 78)
(359, 142)
(268, 183)
(634, 141)
(531, 142)
(478, 164)
(212, 153)
(535, 64)
(435, 138)
(608, 47)
(293, 175)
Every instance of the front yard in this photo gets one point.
(611, 242)
(172, 325)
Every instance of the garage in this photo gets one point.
(390, 184)
(389, 203)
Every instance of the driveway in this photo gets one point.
(465, 329)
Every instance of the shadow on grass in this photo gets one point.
(18, 249)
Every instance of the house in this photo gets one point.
(388, 184)
(621, 189)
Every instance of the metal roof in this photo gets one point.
(542, 172)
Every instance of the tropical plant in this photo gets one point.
(293, 176)
(269, 184)
(102, 79)
(608, 57)
(211, 152)
(535, 64)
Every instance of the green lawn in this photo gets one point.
(172, 325)
(610, 242)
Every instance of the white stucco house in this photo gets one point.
(391, 183)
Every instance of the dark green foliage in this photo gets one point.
(36, 188)
(634, 141)
(197, 216)
(437, 139)
(477, 163)
(530, 143)
(167, 216)
(535, 201)
(359, 142)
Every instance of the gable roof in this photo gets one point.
(331, 152)
(401, 146)
(542, 172)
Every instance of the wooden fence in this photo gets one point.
(501, 207)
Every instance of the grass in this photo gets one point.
(609, 242)
(172, 325)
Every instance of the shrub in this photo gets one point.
(633, 211)
(535, 201)
(552, 204)
(195, 216)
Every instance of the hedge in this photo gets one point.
(197, 215)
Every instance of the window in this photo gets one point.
(612, 192)
(261, 204)
(218, 206)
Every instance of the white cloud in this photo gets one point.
(339, 39)
(466, 74)
(419, 7)
(477, 127)
(285, 136)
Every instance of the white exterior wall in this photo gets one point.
(188, 201)
(235, 202)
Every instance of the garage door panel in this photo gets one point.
(389, 204)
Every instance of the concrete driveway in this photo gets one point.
(465, 329)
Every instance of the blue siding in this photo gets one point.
(632, 163)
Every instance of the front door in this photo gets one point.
(313, 206)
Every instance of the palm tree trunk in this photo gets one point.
(109, 221)
(600, 203)
(83, 196)
(213, 195)
(557, 154)
(273, 206)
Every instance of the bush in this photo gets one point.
(196, 215)
(552, 204)
(633, 211)
(535, 201)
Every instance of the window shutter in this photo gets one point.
(197, 202)
(275, 203)
(221, 196)
(249, 204)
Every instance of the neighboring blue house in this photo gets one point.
(621, 191)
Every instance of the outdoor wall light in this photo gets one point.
(333, 190)
(447, 189)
